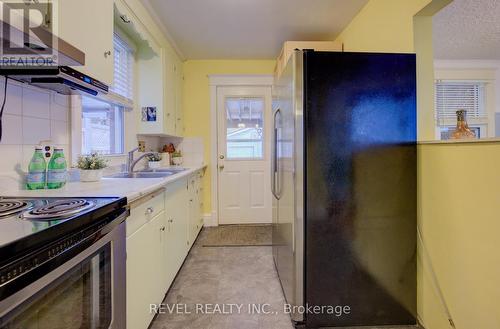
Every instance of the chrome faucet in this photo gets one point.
(131, 163)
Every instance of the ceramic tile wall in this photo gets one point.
(192, 151)
(31, 115)
(190, 147)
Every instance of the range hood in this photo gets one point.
(61, 79)
(44, 41)
(42, 59)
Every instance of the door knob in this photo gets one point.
(221, 167)
(221, 157)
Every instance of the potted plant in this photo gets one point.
(154, 160)
(177, 158)
(91, 167)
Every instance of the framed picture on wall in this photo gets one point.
(149, 114)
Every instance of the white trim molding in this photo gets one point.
(209, 220)
(216, 81)
(240, 80)
(466, 64)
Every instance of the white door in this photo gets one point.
(244, 135)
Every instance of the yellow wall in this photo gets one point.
(425, 77)
(382, 26)
(459, 215)
(388, 26)
(197, 101)
(458, 184)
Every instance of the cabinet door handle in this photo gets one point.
(107, 53)
(162, 229)
(170, 220)
(149, 211)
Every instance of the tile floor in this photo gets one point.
(232, 274)
(225, 275)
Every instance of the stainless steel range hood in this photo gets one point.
(31, 52)
(62, 79)
(44, 42)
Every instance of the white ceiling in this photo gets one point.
(249, 29)
(468, 29)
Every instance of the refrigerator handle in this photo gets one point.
(274, 158)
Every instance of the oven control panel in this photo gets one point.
(42, 256)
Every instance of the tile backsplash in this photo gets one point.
(31, 115)
(192, 151)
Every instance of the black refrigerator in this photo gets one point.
(344, 168)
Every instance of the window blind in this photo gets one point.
(454, 96)
(124, 68)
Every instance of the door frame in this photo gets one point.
(215, 82)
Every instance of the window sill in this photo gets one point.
(462, 141)
(114, 155)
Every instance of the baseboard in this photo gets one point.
(210, 220)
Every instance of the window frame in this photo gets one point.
(467, 71)
(263, 156)
(133, 49)
(116, 109)
(126, 105)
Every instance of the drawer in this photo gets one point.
(144, 210)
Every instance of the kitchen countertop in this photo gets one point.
(131, 188)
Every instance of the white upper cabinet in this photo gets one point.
(150, 90)
(88, 25)
(160, 85)
(169, 93)
(179, 85)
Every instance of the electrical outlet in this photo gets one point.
(142, 146)
(47, 148)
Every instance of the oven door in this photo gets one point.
(87, 291)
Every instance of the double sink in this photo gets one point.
(149, 173)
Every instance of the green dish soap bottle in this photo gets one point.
(37, 167)
(56, 171)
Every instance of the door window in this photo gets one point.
(244, 128)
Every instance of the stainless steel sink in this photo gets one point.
(173, 170)
(141, 175)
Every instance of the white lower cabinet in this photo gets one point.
(145, 255)
(160, 231)
(176, 213)
(195, 205)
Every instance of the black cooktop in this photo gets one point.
(28, 223)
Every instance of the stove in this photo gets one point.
(58, 209)
(12, 207)
(27, 222)
(44, 209)
(62, 256)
